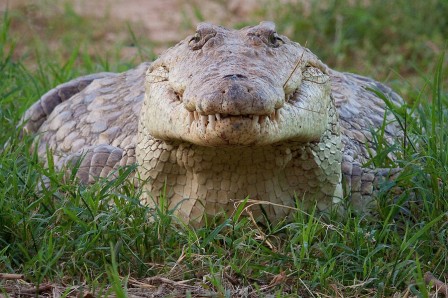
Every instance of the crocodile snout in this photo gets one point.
(236, 95)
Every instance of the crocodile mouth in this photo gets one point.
(205, 122)
(256, 122)
(232, 124)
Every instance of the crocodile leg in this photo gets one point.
(99, 161)
(362, 184)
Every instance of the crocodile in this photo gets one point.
(222, 116)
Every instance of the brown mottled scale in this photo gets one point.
(227, 114)
(360, 113)
(103, 110)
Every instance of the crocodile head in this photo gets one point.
(223, 87)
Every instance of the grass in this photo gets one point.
(101, 239)
(389, 40)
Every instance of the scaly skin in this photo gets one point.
(223, 115)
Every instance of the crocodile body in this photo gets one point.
(223, 115)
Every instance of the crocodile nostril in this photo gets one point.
(235, 76)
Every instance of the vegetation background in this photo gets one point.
(74, 239)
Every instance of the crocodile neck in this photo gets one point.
(207, 180)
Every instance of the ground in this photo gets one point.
(166, 21)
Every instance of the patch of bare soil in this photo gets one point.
(165, 20)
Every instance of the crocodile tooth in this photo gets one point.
(255, 119)
(261, 120)
(272, 116)
(218, 117)
(211, 120)
(263, 123)
(190, 118)
(204, 122)
(276, 114)
(196, 116)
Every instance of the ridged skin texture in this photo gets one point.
(223, 115)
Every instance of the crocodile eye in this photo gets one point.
(200, 39)
(195, 39)
(275, 40)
